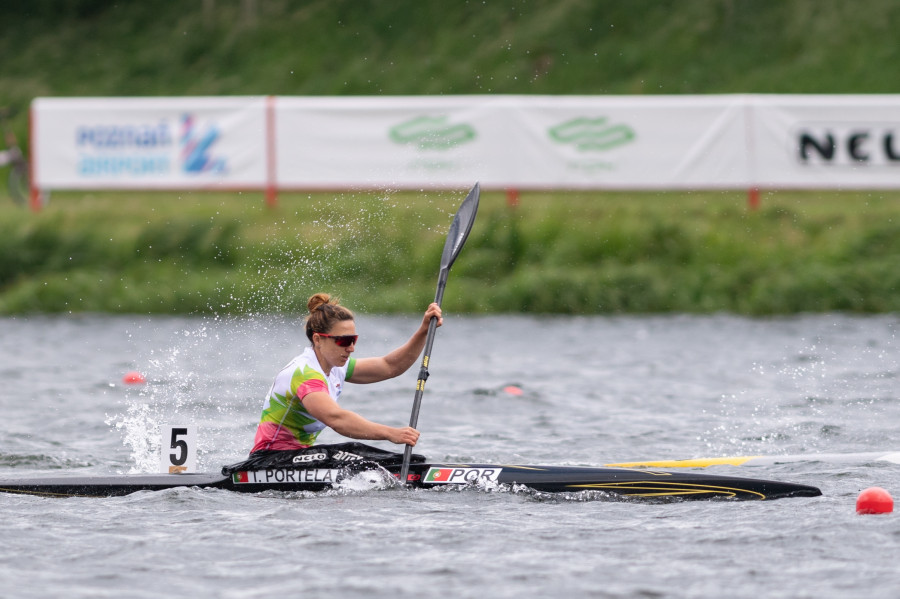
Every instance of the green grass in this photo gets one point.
(557, 253)
(353, 47)
(567, 253)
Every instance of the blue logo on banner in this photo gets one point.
(133, 150)
(196, 148)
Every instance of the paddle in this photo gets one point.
(456, 237)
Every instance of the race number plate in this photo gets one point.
(178, 449)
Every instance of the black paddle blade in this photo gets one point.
(460, 227)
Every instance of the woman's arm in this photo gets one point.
(373, 370)
(350, 424)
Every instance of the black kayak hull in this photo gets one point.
(646, 484)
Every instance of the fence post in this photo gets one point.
(753, 198)
(271, 146)
(512, 197)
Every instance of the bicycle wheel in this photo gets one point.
(19, 188)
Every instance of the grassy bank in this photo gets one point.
(583, 253)
(361, 47)
(559, 253)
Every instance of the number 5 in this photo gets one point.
(179, 449)
(179, 444)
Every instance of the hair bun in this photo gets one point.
(317, 301)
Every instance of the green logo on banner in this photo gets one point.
(591, 134)
(432, 133)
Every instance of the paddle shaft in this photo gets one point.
(456, 237)
(423, 371)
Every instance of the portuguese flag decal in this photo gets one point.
(240, 477)
(438, 475)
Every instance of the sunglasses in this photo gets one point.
(341, 340)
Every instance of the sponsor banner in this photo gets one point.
(414, 142)
(850, 141)
(286, 476)
(632, 142)
(510, 141)
(146, 143)
(393, 142)
(461, 475)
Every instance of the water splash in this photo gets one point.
(306, 255)
(346, 245)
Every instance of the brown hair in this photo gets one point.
(324, 312)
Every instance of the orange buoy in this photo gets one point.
(133, 378)
(874, 500)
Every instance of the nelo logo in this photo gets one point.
(309, 457)
(848, 145)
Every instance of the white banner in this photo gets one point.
(825, 141)
(510, 141)
(645, 142)
(412, 142)
(147, 143)
(394, 142)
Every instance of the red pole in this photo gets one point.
(34, 199)
(271, 169)
(512, 197)
(753, 198)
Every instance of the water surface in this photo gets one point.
(595, 390)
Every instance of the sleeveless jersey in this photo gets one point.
(285, 423)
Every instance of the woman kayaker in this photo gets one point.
(303, 400)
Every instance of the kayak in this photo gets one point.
(327, 467)
(551, 479)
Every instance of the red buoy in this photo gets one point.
(874, 500)
(133, 378)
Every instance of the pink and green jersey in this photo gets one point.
(285, 423)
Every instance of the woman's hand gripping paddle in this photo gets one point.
(456, 237)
